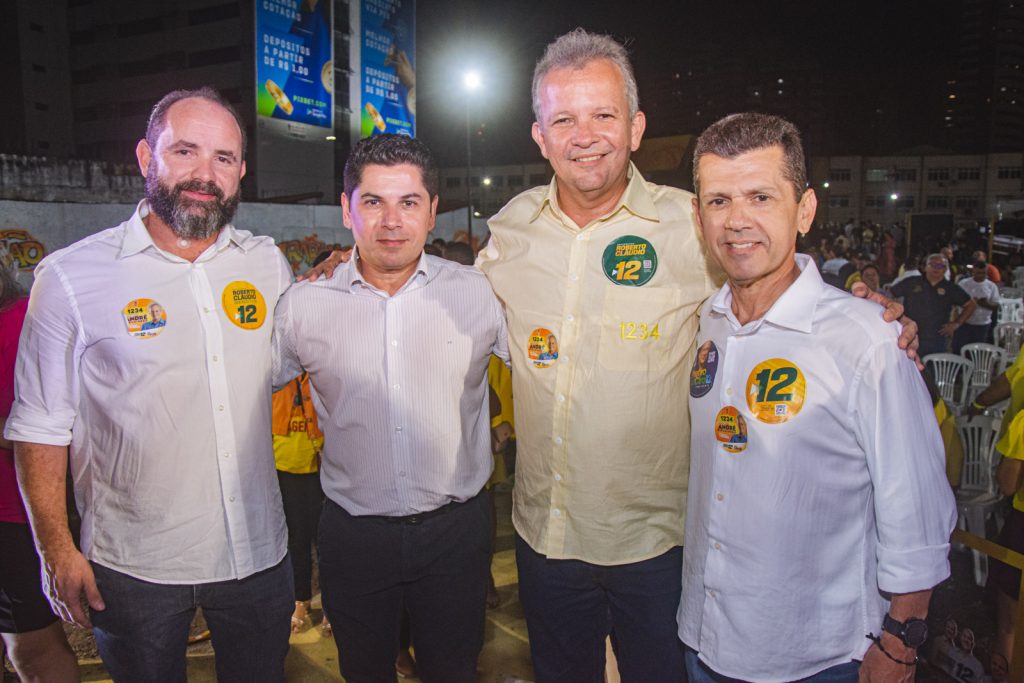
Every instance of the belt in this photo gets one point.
(420, 517)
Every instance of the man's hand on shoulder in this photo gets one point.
(908, 340)
(67, 575)
(327, 267)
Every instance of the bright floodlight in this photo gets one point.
(487, 181)
(894, 196)
(825, 184)
(471, 79)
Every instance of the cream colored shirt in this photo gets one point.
(602, 322)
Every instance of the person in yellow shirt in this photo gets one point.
(297, 444)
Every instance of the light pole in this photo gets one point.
(471, 82)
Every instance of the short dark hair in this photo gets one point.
(390, 149)
(158, 116)
(738, 134)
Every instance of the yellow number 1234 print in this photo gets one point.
(634, 331)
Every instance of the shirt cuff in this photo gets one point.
(30, 426)
(917, 569)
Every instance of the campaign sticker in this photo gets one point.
(145, 318)
(705, 365)
(629, 261)
(244, 305)
(542, 348)
(731, 429)
(775, 391)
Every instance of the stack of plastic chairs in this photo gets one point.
(952, 375)
(989, 360)
(978, 496)
(1008, 336)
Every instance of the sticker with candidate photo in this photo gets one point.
(731, 429)
(629, 261)
(542, 348)
(705, 365)
(244, 305)
(775, 391)
(145, 318)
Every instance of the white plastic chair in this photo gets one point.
(1011, 310)
(1015, 292)
(989, 360)
(1008, 336)
(952, 375)
(978, 497)
(1018, 276)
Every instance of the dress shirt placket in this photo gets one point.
(394, 371)
(223, 423)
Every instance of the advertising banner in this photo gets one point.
(387, 67)
(295, 61)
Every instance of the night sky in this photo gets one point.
(883, 64)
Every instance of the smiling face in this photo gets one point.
(749, 216)
(586, 131)
(390, 214)
(193, 174)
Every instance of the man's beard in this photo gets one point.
(188, 218)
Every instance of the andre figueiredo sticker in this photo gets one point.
(705, 365)
(775, 391)
(542, 348)
(244, 305)
(144, 318)
(731, 429)
(629, 261)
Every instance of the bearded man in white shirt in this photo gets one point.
(830, 518)
(168, 426)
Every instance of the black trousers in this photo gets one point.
(371, 567)
(302, 498)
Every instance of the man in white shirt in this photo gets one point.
(397, 345)
(986, 295)
(167, 427)
(833, 502)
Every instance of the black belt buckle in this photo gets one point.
(413, 519)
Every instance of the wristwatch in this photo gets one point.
(913, 632)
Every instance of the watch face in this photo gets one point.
(915, 633)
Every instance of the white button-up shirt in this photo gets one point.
(168, 419)
(400, 383)
(837, 491)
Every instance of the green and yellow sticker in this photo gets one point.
(244, 305)
(775, 391)
(629, 261)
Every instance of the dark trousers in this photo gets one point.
(572, 606)
(969, 334)
(302, 498)
(143, 632)
(699, 672)
(370, 567)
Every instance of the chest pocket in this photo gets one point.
(644, 329)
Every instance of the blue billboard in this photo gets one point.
(387, 67)
(295, 61)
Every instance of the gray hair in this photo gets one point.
(576, 49)
(738, 134)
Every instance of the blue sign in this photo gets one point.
(387, 67)
(294, 61)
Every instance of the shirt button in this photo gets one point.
(226, 454)
(215, 359)
(205, 309)
(719, 496)
(561, 398)
(574, 277)
(558, 440)
(556, 513)
(397, 387)
(580, 237)
(718, 546)
(231, 499)
(558, 477)
(398, 429)
(711, 594)
(728, 391)
(569, 317)
(394, 342)
(220, 408)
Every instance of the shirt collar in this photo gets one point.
(425, 271)
(137, 238)
(636, 199)
(793, 310)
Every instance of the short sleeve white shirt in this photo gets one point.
(985, 290)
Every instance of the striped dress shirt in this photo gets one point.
(400, 382)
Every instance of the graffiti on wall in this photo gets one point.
(20, 249)
(301, 253)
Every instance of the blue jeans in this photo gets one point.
(571, 607)
(143, 632)
(698, 672)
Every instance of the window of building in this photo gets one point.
(515, 180)
(42, 144)
(904, 202)
(538, 178)
(1008, 172)
(39, 68)
(938, 174)
(140, 27)
(474, 181)
(42, 106)
(936, 203)
(838, 201)
(905, 174)
(968, 173)
(452, 181)
(207, 15)
(838, 175)
(876, 175)
(220, 55)
(38, 28)
(497, 181)
(874, 201)
(966, 202)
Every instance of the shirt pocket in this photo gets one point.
(642, 329)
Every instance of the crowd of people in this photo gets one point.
(812, 515)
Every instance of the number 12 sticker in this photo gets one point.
(244, 305)
(775, 391)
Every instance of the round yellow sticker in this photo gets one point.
(775, 390)
(144, 318)
(244, 305)
(731, 429)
